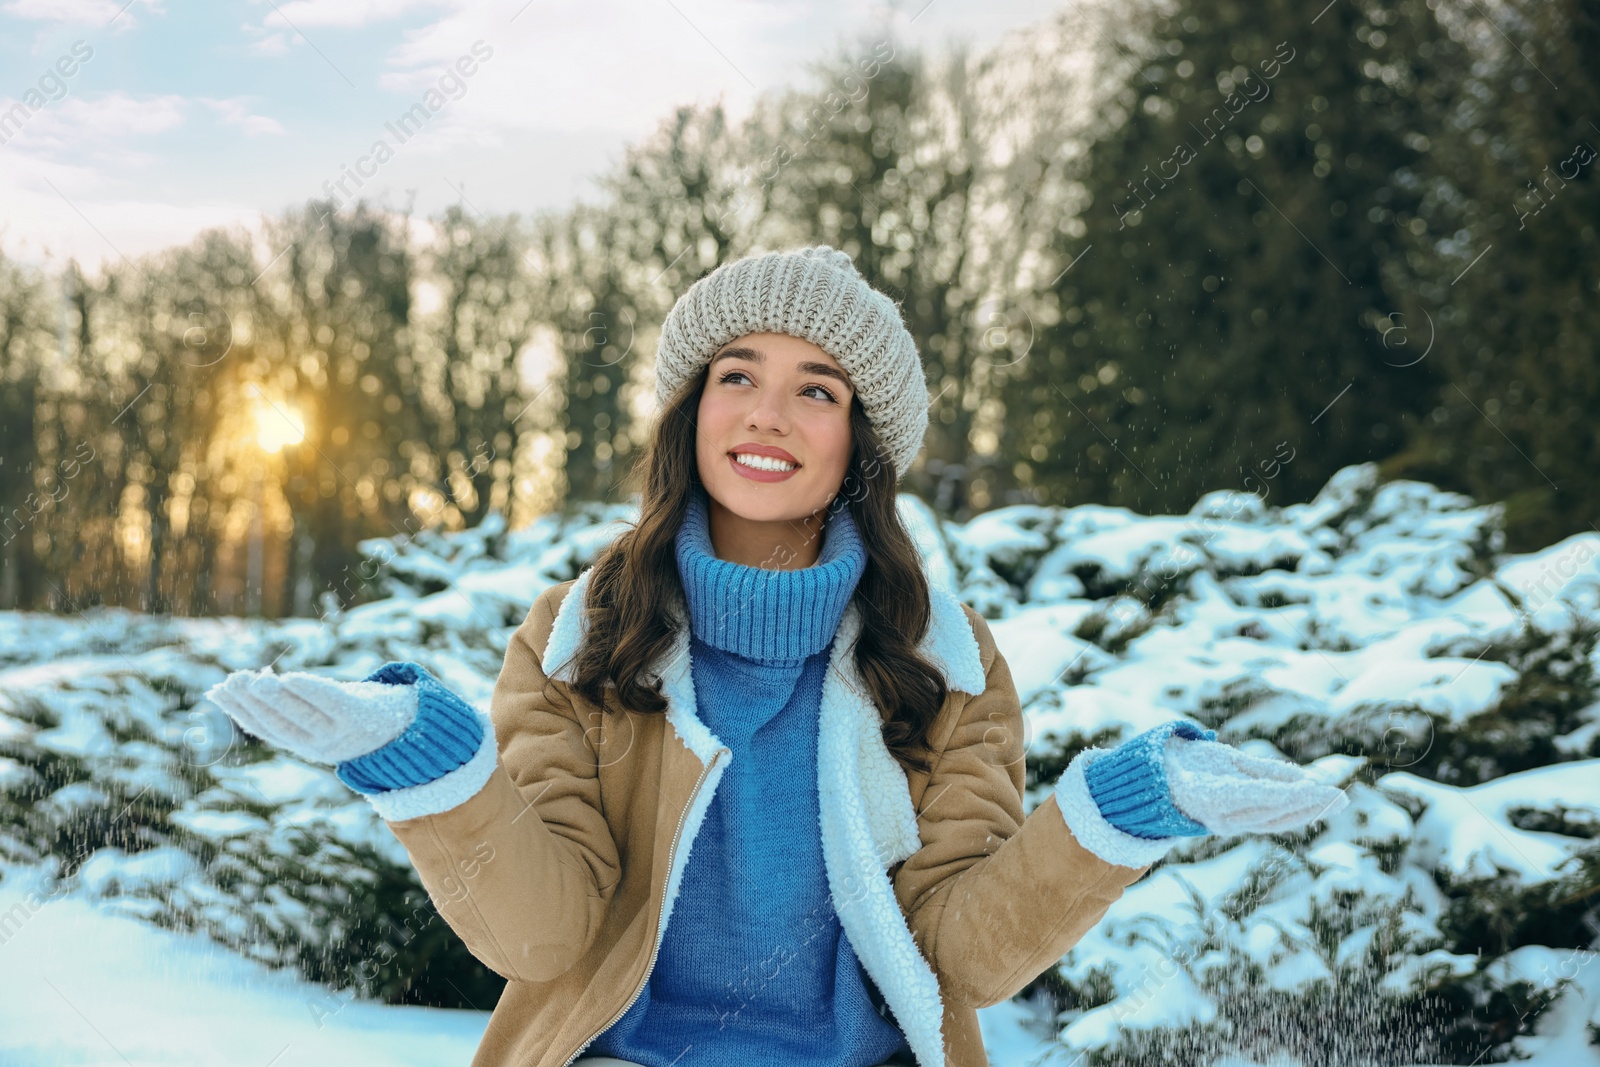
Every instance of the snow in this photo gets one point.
(1468, 832)
(1040, 648)
(278, 781)
(1566, 570)
(219, 824)
(1563, 1032)
(111, 870)
(1377, 635)
(81, 986)
(1174, 1001)
(1584, 737)
(1451, 687)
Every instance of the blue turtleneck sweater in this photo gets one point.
(754, 966)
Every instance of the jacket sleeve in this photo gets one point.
(993, 898)
(524, 866)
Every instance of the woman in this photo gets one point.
(754, 717)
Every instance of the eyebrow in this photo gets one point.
(807, 367)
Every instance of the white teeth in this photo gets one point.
(765, 463)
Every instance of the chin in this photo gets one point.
(765, 503)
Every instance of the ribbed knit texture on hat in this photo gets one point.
(1129, 784)
(816, 294)
(444, 735)
(755, 967)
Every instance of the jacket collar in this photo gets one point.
(868, 821)
(949, 644)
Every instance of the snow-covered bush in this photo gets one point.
(1378, 633)
(117, 776)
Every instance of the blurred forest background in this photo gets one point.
(1147, 253)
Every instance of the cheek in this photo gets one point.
(713, 419)
(718, 426)
(831, 437)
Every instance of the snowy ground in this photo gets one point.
(1378, 634)
(85, 986)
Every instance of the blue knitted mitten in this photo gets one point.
(1129, 784)
(444, 735)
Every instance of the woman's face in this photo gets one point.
(773, 395)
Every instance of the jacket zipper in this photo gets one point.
(672, 853)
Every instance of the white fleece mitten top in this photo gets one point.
(1231, 792)
(318, 719)
(1129, 805)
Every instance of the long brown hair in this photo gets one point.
(635, 584)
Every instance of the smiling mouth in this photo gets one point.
(762, 463)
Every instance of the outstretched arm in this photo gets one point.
(500, 813)
(993, 898)
(398, 736)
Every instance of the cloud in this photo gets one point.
(107, 128)
(79, 218)
(273, 44)
(342, 13)
(95, 125)
(234, 111)
(86, 12)
(565, 65)
(284, 25)
(568, 85)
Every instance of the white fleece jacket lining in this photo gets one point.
(868, 822)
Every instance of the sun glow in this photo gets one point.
(278, 425)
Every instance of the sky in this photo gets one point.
(128, 126)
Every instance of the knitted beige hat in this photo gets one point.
(818, 295)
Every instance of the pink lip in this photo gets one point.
(751, 448)
(756, 475)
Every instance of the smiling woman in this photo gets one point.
(756, 717)
(774, 412)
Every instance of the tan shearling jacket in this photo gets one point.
(556, 852)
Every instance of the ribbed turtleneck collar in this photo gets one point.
(773, 616)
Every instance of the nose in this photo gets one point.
(769, 412)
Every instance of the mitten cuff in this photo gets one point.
(1129, 784)
(1089, 827)
(446, 792)
(445, 734)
